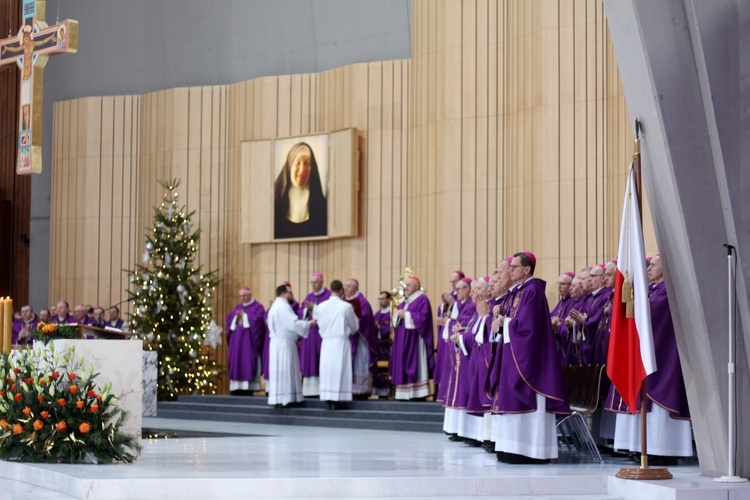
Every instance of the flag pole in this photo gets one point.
(644, 471)
(639, 197)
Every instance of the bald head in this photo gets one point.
(654, 270)
(610, 275)
(412, 285)
(316, 282)
(576, 288)
(563, 284)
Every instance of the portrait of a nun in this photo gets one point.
(300, 207)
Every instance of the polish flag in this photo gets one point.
(631, 344)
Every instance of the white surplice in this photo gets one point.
(337, 321)
(285, 383)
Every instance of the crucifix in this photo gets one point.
(30, 49)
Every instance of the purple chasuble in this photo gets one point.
(245, 344)
(67, 320)
(457, 371)
(117, 324)
(583, 347)
(442, 356)
(447, 349)
(530, 362)
(601, 338)
(16, 329)
(383, 330)
(507, 305)
(479, 401)
(561, 310)
(309, 348)
(368, 331)
(404, 365)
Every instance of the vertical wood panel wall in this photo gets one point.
(507, 130)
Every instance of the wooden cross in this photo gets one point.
(30, 49)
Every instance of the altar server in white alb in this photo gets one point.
(285, 382)
(336, 321)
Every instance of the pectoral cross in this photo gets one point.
(30, 49)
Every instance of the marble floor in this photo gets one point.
(270, 461)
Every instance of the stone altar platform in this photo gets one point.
(120, 363)
(282, 461)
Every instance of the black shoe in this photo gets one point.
(488, 446)
(329, 404)
(473, 443)
(455, 437)
(501, 456)
(515, 459)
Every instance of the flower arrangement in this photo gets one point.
(50, 331)
(51, 410)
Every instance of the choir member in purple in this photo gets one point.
(364, 344)
(443, 354)
(246, 331)
(669, 432)
(565, 331)
(412, 359)
(588, 320)
(457, 367)
(561, 310)
(267, 342)
(309, 348)
(479, 401)
(115, 321)
(63, 317)
(531, 387)
(383, 327)
(80, 313)
(45, 316)
(601, 339)
(23, 329)
(471, 424)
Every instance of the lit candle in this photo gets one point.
(7, 324)
(2, 323)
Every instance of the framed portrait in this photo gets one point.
(300, 188)
(300, 202)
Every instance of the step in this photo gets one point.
(315, 421)
(207, 407)
(375, 404)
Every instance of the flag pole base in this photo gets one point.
(730, 479)
(644, 473)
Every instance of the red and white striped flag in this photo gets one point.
(631, 344)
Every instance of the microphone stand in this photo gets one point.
(731, 477)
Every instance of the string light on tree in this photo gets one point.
(171, 295)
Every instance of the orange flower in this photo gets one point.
(16, 370)
(99, 398)
(91, 393)
(94, 408)
(71, 376)
(40, 398)
(4, 424)
(42, 382)
(30, 380)
(61, 426)
(17, 429)
(62, 402)
(2, 394)
(55, 375)
(73, 389)
(27, 411)
(38, 424)
(13, 387)
(51, 328)
(18, 397)
(79, 404)
(44, 414)
(84, 428)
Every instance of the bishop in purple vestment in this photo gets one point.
(457, 370)
(63, 316)
(530, 375)
(246, 331)
(588, 320)
(412, 357)
(444, 353)
(23, 329)
(309, 348)
(364, 362)
(382, 320)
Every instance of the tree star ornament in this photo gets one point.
(213, 335)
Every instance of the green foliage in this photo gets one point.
(44, 333)
(51, 410)
(172, 298)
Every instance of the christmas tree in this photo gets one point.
(172, 303)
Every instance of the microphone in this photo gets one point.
(730, 248)
(100, 324)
